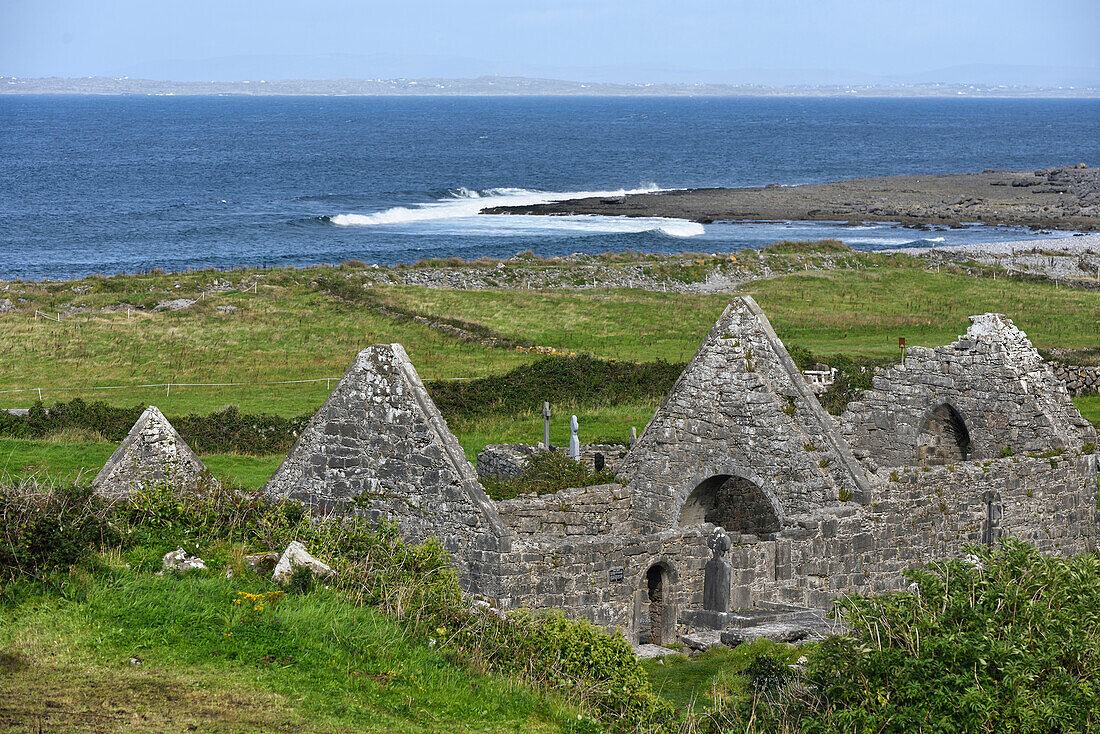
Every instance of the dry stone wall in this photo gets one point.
(995, 384)
(1079, 380)
(741, 408)
(379, 447)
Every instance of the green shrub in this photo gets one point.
(48, 528)
(224, 431)
(1010, 643)
(579, 379)
(544, 473)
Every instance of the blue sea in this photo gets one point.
(127, 184)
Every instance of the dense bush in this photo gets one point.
(45, 529)
(224, 431)
(1008, 640)
(570, 380)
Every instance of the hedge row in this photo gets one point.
(224, 431)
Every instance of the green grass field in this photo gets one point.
(290, 329)
(124, 651)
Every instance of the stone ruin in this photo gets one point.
(987, 395)
(152, 453)
(379, 447)
(742, 499)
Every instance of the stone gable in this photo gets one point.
(741, 410)
(379, 447)
(151, 453)
(987, 392)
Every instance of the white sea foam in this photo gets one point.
(459, 211)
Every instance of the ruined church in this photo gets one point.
(741, 492)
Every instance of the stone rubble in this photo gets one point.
(295, 556)
(179, 561)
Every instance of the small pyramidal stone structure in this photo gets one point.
(379, 447)
(151, 453)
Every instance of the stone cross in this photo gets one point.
(717, 575)
(574, 442)
(546, 426)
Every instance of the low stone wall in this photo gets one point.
(918, 516)
(603, 579)
(503, 460)
(1079, 380)
(507, 460)
(597, 510)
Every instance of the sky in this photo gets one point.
(734, 41)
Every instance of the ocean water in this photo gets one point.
(117, 184)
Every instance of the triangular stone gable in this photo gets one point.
(379, 447)
(150, 454)
(992, 378)
(741, 408)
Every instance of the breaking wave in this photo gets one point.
(460, 209)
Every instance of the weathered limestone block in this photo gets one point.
(295, 556)
(151, 454)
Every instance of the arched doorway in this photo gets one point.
(731, 502)
(944, 438)
(656, 609)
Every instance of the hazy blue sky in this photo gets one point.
(640, 39)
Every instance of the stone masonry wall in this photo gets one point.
(599, 510)
(379, 447)
(1079, 380)
(915, 516)
(740, 408)
(923, 516)
(603, 578)
(993, 379)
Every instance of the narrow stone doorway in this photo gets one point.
(655, 609)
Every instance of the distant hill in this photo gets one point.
(514, 86)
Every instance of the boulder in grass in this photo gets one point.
(178, 560)
(294, 556)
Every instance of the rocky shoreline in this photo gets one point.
(1066, 197)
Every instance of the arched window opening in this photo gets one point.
(733, 503)
(944, 438)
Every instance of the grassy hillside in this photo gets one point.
(284, 325)
(124, 651)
